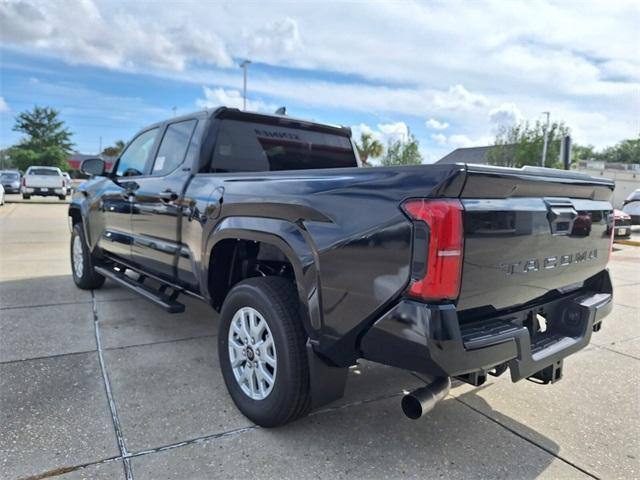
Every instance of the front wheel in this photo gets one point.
(62, 197)
(84, 275)
(26, 197)
(262, 352)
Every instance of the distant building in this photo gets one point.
(477, 155)
(76, 160)
(626, 176)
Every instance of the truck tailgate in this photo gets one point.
(43, 181)
(530, 232)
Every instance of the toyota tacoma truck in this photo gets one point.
(452, 271)
(44, 182)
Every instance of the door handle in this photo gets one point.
(168, 196)
(130, 188)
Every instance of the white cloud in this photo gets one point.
(439, 138)
(217, 97)
(580, 62)
(82, 32)
(459, 140)
(384, 133)
(4, 107)
(505, 115)
(458, 97)
(277, 39)
(437, 125)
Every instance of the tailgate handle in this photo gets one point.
(561, 215)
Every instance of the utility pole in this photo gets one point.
(173, 109)
(546, 139)
(100, 145)
(244, 65)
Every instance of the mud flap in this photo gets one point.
(327, 382)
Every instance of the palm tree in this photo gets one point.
(368, 147)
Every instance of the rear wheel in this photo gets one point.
(62, 197)
(26, 197)
(84, 275)
(261, 346)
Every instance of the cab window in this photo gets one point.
(173, 147)
(134, 158)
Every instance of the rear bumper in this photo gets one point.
(429, 339)
(44, 192)
(622, 230)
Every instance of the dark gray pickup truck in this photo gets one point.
(456, 271)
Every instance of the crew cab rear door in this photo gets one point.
(530, 233)
(156, 205)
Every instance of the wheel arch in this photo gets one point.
(290, 240)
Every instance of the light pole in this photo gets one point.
(244, 65)
(546, 139)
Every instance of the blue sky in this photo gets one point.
(450, 73)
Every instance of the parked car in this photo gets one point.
(68, 182)
(454, 271)
(10, 180)
(620, 222)
(1, 194)
(632, 206)
(43, 181)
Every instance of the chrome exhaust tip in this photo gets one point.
(422, 400)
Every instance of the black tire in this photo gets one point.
(62, 197)
(26, 197)
(276, 299)
(89, 279)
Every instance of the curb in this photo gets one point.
(633, 243)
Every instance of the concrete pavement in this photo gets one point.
(103, 385)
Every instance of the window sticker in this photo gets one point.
(159, 165)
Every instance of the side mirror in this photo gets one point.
(93, 166)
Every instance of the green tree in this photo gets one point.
(582, 152)
(115, 149)
(403, 153)
(522, 144)
(627, 151)
(5, 160)
(368, 148)
(47, 140)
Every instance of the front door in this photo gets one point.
(157, 203)
(116, 235)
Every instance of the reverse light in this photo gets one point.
(443, 219)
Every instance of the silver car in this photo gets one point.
(632, 206)
(10, 180)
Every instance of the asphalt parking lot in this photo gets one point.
(103, 385)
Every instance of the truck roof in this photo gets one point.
(273, 119)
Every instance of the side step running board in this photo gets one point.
(157, 296)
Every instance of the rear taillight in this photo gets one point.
(443, 218)
(24, 183)
(613, 230)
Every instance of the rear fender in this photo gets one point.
(293, 241)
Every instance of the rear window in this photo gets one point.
(44, 171)
(246, 146)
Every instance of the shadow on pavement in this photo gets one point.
(367, 436)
